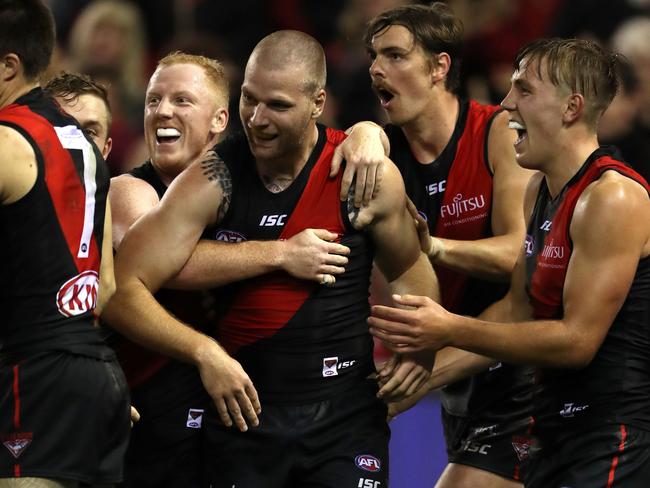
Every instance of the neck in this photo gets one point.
(14, 90)
(278, 173)
(571, 154)
(429, 133)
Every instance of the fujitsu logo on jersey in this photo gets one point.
(553, 252)
(79, 294)
(273, 220)
(435, 188)
(460, 206)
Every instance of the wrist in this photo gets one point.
(436, 249)
(205, 351)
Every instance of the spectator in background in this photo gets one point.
(108, 42)
(632, 39)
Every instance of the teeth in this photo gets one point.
(167, 132)
(513, 124)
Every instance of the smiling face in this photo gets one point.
(400, 73)
(277, 112)
(182, 117)
(536, 109)
(92, 114)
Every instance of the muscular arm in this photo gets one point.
(493, 257)
(308, 255)
(106, 271)
(18, 169)
(406, 268)
(598, 279)
(155, 248)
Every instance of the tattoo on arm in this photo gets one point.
(353, 212)
(216, 170)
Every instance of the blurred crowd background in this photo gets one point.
(119, 41)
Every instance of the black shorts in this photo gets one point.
(615, 456)
(488, 446)
(63, 416)
(166, 444)
(330, 444)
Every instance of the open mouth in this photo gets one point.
(520, 128)
(385, 96)
(167, 135)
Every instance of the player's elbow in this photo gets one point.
(579, 354)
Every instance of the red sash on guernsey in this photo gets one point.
(271, 300)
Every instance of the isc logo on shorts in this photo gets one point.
(367, 462)
(79, 294)
(194, 418)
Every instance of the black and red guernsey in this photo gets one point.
(298, 341)
(615, 386)
(454, 193)
(52, 237)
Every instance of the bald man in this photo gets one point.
(300, 349)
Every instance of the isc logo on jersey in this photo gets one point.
(438, 187)
(273, 220)
(331, 366)
(79, 294)
(368, 462)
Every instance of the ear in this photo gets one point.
(318, 104)
(440, 65)
(108, 145)
(11, 67)
(575, 107)
(219, 121)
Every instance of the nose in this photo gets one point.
(508, 103)
(258, 116)
(164, 108)
(376, 68)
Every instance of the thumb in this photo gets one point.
(325, 234)
(410, 300)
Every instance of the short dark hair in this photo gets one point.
(582, 66)
(27, 30)
(71, 86)
(435, 28)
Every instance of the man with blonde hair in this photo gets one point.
(578, 305)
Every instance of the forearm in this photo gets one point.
(419, 279)
(214, 264)
(453, 365)
(548, 343)
(136, 314)
(492, 258)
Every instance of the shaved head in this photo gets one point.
(295, 49)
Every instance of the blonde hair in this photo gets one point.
(212, 68)
(125, 16)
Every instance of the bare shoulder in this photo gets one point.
(616, 207)
(500, 145)
(129, 187)
(18, 169)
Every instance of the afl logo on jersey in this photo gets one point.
(368, 463)
(229, 236)
(79, 294)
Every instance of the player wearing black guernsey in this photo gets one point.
(579, 302)
(64, 409)
(185, 114)
(459, 169)
(281, 98)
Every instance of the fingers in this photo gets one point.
(392, 314)
(371, 182)
(346, 181)
(379, 175)
(326, 279)
(325, 234)
(360, 185)
(415, 301)
(337, 158)
(241, 409)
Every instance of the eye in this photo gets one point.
(153, 101)
(90, 132)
